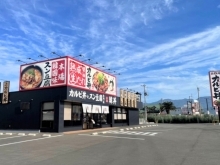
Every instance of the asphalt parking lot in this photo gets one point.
(155, 144)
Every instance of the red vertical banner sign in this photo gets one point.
(77, 74)
(58, 72)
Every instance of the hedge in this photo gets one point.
(181, 119)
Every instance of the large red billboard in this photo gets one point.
(66, 71)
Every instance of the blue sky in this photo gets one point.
(169, 45)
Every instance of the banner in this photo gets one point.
(129, 94)
(5, 93)
(132, 99)
(214, 81)
(125, 98)
(121, 97)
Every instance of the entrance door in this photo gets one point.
(97, 120)
(87, 121)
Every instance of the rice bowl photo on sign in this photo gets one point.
(100, 82)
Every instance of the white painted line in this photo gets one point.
(32, 134)
(146, 133)
(131, 128)
(135, 127)
(7, 144)
(21, 134)
(1, 133)
(127, 128)
(139, 127)
(104, 132)
(137, 133)
(129, 133)
(48, 135)
(117, 132)
(118, 137)
(10, 137)
(121, 129)
(8, 133)
(152, 134)
(94, 133)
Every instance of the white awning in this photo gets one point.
(96, 109)
(105, 109)
(87, 108)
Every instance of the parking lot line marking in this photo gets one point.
(10, 137)
(152, 134)
(118, 137)
(7, 144)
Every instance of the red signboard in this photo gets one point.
(43, 74)
(66, 71)
(89, 78)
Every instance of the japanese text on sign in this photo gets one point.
(5, 93)
(214, 78)
(95, 97)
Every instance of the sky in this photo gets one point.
(167, 45)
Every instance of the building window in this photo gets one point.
(47, 115)
(120, 115)
(72, 115)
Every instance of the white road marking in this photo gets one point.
(152, 134)
(48, 135)
(146, 133)
(7, 144)
(10, 137)
(133, 133)
(32, 134)
(118, 137)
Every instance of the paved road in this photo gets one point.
(186, 144)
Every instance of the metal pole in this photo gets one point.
(218, 115)
(145, 113)
(198, 101)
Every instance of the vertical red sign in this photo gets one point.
(58, 72)
(77, 74)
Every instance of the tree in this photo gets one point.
(167, 106)
(161, 107)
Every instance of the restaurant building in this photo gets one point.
(64, 94)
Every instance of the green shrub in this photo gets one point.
(181, 119)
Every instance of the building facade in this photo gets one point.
(63, 94)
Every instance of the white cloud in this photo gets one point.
(218, 6)
(111, 33)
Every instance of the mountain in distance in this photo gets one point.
(181, 102)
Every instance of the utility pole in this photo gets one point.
(198, 101)
(145, 94)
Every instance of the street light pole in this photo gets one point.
(145, 94)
